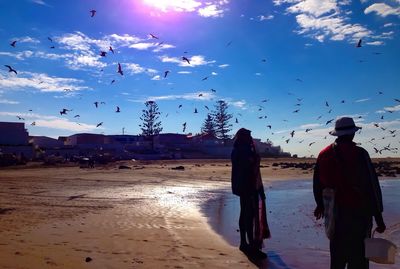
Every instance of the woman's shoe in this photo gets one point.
(244, 247)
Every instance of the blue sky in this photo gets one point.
(296, 54)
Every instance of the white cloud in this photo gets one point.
(157, 77)
(143, 46)
(8, 102)
(41, 82)
(223, 65)
(392, 108)
(161, 47)
(22, 55)
(322, 19)
(195, 60)
(214, 73)
(310, 126)
(375, 43)
(362, 100)
(184, 72)
(53, 122)
(388, 24)
(179, 6)
(265, 18)
(134, 69)
(211, 11)
(382, 9)
(39, 2)
(238, 104)
(257, 74)
(198, 96)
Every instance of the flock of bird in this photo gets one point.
(261, 107)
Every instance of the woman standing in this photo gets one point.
(247, 184)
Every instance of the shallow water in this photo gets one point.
(298, 240)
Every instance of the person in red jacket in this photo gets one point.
(347, 169)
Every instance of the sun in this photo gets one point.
(174, 5)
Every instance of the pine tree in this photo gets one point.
(209, 125)
(150, 124)
(221, 119)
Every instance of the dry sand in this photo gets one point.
(144, 217)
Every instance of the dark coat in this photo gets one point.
(243, 176)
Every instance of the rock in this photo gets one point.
(180, 167)
(124, 167)
(88, 259)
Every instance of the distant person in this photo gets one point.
(247, 184)
(347, 169)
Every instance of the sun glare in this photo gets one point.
(174, 5)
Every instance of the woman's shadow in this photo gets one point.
(273, 261)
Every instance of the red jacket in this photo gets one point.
(347, 168)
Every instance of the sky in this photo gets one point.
(293, 65)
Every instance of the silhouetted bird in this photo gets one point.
(213, 90)
(51, 40)
(13, 43)
(308, 129)
(200, 95)
(329, 121)
(10, 69)
(229, 43)
(118, 110)
(111, 49)
(269, 126)
(292, 133)
(236, 120)
(153, 36)
(99, 124)
(311, 144)
(296, 111)
(359, 44)
(33, 123)
(93, 12)
(205, 78)
(397, 100)
(299, 80)
(287, 141)
(184, 127)
(52, 47)
(96, 104)
(326, 103)
(319, 117)
(179, 106)
(77, 116)
(103, 53)
(113, 81)
(195, 110)
(120, 69)
(64, 111)
(166, 73)
(207, 107)
(20, 118)
(185, 59)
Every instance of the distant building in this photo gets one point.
(85, 139)
(13, 134)
(45, 142)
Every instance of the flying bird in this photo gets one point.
(111, 49)
(329, 121)
(179, 106)
(103, 53)
(292, 133)
(397, 100)
(118, 110)
(20, 118)
(229, 43)
(93, 12)
(51, 40)
(287, 141)
(99, 124)
(153, 36)
(77, 116)
(299, 80)
(10, 69)
(185, 59)
(64, 111)
(195, 110)
(212, 90)
(296, 111)
(120, 69)
(184, 127)
(236, 120)
(326, 103)
(319, 117)
(12, 44)
(269, 126)
(96, 104)
(33, 123)
(359, 43)
(52, 47)
(113, 81)
(200, 95)
(311, 144)
(207, 107)
(166, 73)
(205, 78)
(308, 129)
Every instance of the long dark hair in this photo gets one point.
(243, 138)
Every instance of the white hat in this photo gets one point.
(344, 126)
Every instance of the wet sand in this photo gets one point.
(149, 216)
(298, 240)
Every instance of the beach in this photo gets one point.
(157, 214)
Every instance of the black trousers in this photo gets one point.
(246, 219)
(347, 245)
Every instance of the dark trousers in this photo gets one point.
(347, 245)
(246, 219)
